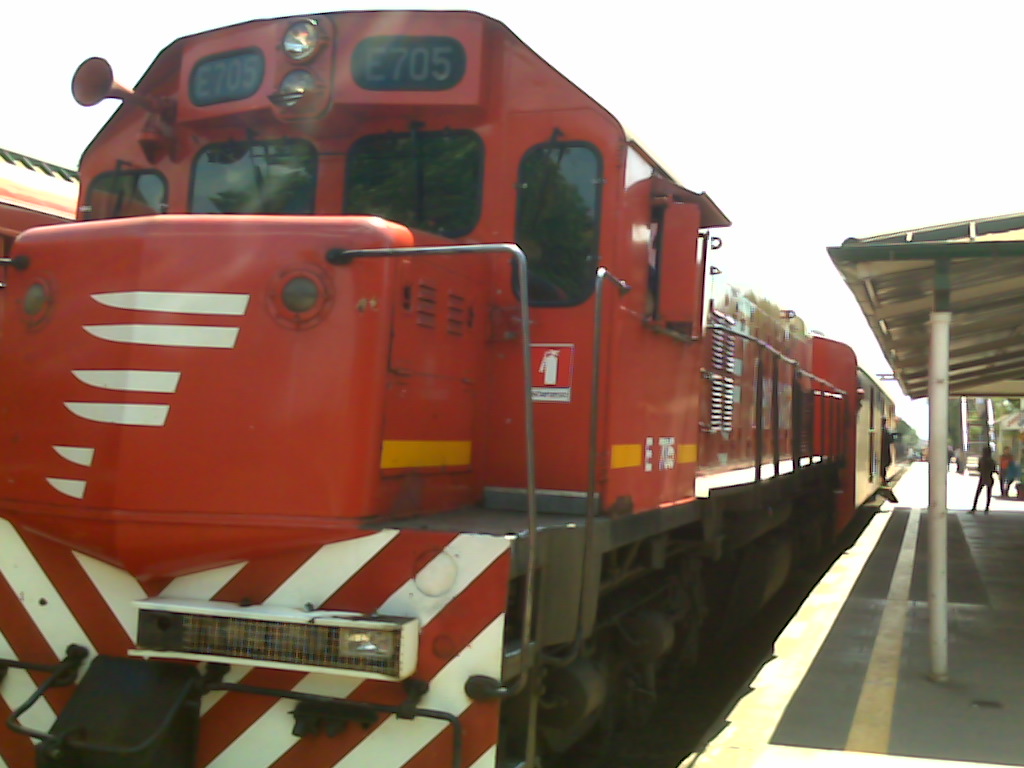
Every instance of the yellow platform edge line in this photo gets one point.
(418, 454)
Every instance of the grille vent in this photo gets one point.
(425, 305)
(458, 315)
(723, 352)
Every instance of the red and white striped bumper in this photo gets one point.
(455, 585)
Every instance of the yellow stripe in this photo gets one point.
(407, 454)
(626, 455)
(872, 721)
(687, 454)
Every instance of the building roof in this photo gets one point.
(974, 269)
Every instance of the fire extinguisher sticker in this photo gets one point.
(552, 372)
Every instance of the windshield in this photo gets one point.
(276, 176)
(424, 179)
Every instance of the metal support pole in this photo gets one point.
(938, 467)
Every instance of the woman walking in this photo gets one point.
(986, 468)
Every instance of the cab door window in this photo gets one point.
(557, 220)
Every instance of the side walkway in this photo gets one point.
(849, 679)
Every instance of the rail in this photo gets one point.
(342, 257)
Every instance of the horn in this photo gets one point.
(94, 81)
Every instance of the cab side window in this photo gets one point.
(557, 220)
(121, 193)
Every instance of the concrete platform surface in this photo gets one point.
(849, 680)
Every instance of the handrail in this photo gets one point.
(601, 275)
(341, 257)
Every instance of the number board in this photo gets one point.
(226, 77)
(408, 63)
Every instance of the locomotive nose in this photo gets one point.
(178, 375)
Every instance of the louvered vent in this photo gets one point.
(721, 403)
(723, 352)
(723, 343)
(425, 305)
(458, 316)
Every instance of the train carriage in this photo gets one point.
(33, 193)
(384, 414)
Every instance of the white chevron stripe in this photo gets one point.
(202, 336)
(118, 588)
(486, 760)
(73, 488)
(341, 560)
(16, 689)
(202, 585)
(185, 303)
(396, 741)
(128, 414)
(164, 382)
(42, 601)
(271, 735)
(473, 554)
(81, 456)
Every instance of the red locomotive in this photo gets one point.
(382, 412)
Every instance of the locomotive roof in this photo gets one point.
(895, 278)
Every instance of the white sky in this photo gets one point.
(806, 121)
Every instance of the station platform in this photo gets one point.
(848, 683)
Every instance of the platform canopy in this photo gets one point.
(974, 269)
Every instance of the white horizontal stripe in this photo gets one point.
(473, 554)
(397, 741)
(16, 689)
(73, 488)
(204, 336)
(118, 588)
(37, 594)
(164, 382)
(185, 303)
(81, 456)
(129, 414)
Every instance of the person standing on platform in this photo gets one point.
(986, 468)
(1005, 460)
(1012, 476)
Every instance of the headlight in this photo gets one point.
(294, 86)
(377, 647)
(302, 40)
(300, 294)
(36, 299)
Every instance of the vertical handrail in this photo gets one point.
(592, 506)
(776, 414)
(759, 416)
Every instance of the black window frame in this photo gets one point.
(87, 213)
(314, 181)
(477, 199)
(587, 276)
